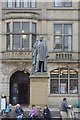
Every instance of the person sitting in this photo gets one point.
(33, 112)
(8, 109)
(46, 113)
(19, 112)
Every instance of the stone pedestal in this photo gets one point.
(39, 89)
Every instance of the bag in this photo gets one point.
(7, 109)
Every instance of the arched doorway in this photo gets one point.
(20, 88)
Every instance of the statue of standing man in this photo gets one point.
(40, 54)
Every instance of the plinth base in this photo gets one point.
(39, 89)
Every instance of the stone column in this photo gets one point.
(39, 89)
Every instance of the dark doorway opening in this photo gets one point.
(20, 88)
(23, 98)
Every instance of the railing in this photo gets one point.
(64, 56)
(16, 55)
(27, 55)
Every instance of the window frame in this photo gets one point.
(8, 35)
(62, 35)
(68, 85)
(32, 3)
(62, 4)
(9, 3)
(18, 3)
(22, 32)
(22, 4)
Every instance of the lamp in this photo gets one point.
(24, 36)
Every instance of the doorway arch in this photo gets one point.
(20, 88)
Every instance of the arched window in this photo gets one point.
(63, 81)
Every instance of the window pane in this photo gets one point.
(58, 3)
(33, 39)
(33, 27)
(54, 86)
(73, 74)
(33, 3)
(8, 42)
(67, 43)
(54, 74)
(64, 86)
(25, 41)
(25, 27)
(58, 42)
(17, 3)
(16, 27)
(68, 29)
(63, 73)
(8, 27)
(9, 3)
(67, 3)
(16, 42)
(26, 3)
(58, 29)
(73, 86)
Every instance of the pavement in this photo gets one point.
(55, 113)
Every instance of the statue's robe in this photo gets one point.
(41, 54)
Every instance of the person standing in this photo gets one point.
(64, 109)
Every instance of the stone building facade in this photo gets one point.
(21, 23)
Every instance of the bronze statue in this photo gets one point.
(40, 54)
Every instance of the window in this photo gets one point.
(9, 3)
(21, 35)
(64, 86)
(61, 81)
(63, 37)
(17, 3)
(33, 4)
(21, 3)
(33, 33)
(63, 3)
(58, 3)
(67, 3)
(73, 85)
(54, 86)
(8, 37)
(26, 3)
(25, 37)
(73, 81)
(29, 3)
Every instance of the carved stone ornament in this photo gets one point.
(5, 69)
